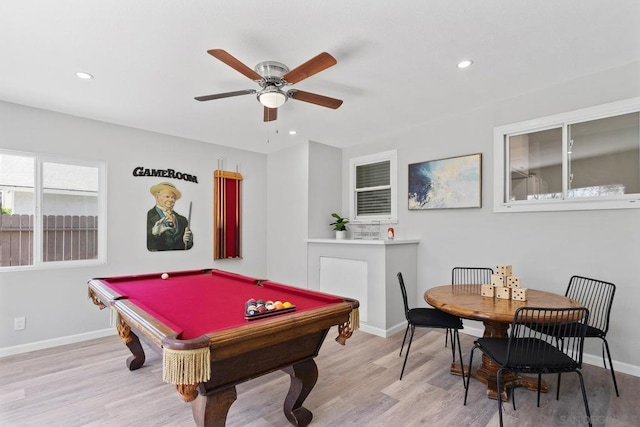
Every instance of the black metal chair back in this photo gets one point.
(528, 351)
(471, 275)
(405, 299)
(597, 296)
(428, 318)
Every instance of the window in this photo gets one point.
(585, 159)
(50, 211)
(373, 187)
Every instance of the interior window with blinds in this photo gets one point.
(373, 189)
(373, 185)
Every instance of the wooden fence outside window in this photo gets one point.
(65, 238)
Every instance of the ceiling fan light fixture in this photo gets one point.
(84, 76)
(272, 98)
(273, 77)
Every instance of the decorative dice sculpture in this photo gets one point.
(504, 285)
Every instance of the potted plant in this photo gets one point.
(340, 226)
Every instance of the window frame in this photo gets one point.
(563, 120)
(38, 228)
(392, 157)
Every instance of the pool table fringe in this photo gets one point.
(114, 317)
(186, 366)
(354, 319)
(346, 329)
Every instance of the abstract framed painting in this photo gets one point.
(454, 182)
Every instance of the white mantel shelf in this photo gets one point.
(364, 242)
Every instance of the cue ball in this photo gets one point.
(164, 276)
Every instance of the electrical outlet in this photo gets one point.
(19, 323)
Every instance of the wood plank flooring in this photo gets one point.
(88, 384)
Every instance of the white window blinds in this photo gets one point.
(373, 189)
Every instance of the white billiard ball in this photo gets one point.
(164, 276)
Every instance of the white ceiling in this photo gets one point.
(396, 60)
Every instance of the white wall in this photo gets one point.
(286, 211)
(545, 248)
(325, 186)
(303, 189)
(54, 301)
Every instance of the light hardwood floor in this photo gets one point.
(88, 384)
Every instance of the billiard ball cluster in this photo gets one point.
(255, 307)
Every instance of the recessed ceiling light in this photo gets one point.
(292, 132)
(464, 64)
(84, 76)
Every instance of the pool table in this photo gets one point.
(197, 320)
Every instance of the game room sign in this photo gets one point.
(164, 173)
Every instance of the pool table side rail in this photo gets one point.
(154, 329)
(103, 292)
(275, 330)
(149, 276)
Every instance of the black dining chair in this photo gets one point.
(597, 296)
(468, 276)
(528, 351)
(424, 317)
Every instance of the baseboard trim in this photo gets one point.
(384, 333)
(55, 342)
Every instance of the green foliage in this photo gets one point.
(340, 224)
(6, 211)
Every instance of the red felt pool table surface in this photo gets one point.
(194, 303)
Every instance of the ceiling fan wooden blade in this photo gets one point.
(225, 95)
(270, 114)
(234, 63)
(309, 68)
(323, 101)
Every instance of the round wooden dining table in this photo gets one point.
(496, 314)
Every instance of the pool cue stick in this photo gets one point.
(188, 224)
(217, 217)
(224, 218)
(237, 248)
(216, 212)
(221, 214)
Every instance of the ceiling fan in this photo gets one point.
(273, 77)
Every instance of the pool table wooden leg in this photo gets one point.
(211, 410)
(133, 343)
(303, 378)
